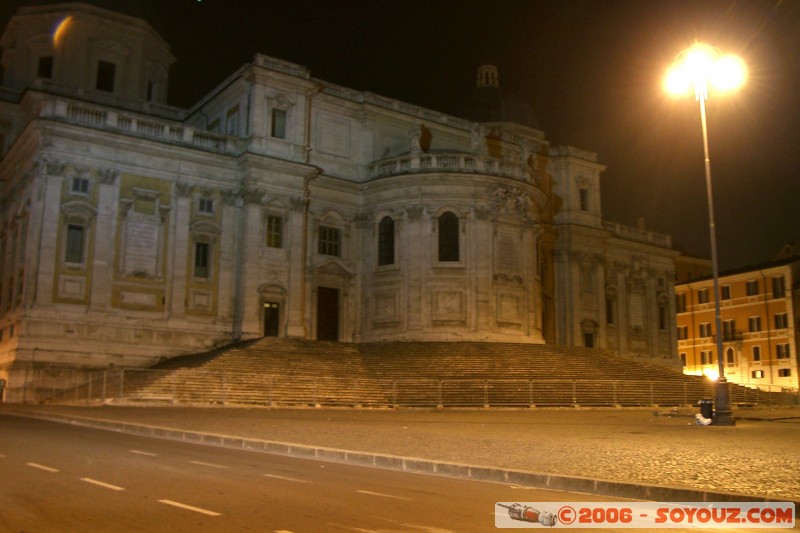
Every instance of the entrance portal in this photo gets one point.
(272, 313)
(327, 314)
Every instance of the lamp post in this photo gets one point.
(695, 69)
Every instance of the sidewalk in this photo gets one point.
(656, 455)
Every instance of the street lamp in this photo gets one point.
(695, 69)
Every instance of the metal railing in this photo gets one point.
(205, 387)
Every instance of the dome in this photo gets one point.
(489, 103)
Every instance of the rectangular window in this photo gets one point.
(232, 121)
(278, 128)
(784, 372)
(725, 292)
(106, 74)
(680, 302)
(702, 296)
(778, 287)
(151, 91)
(783, 351)
(756, 354)
(781, 320)
(609, 311)
(754, 324)
(683, 358)
(730, 357)
(449, 243)
(74, 249)
(386, 241)
(584, 199)
(274, 231)
(705, 329)
(705, 357)
(729, 329)
(202, 259)
(45, 67)
(329, 241)
(757, 374)
(662, 318)
(752, 287)
(80, 185)
(683, 333)
(205, 206)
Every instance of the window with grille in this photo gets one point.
(274, 231)
(330, 241)
(205, 206)
(79, 185)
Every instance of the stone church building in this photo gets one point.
(283, 205)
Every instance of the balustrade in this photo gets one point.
(99, 117)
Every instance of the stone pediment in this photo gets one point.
(333, 267)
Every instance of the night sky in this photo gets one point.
(590, 69)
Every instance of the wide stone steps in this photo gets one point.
(274, 371)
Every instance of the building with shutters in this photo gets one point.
(758, 313)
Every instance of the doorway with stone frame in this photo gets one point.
(327, 314)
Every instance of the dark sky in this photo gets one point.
(591, 70)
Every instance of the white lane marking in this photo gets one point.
(287, 478)
(139, 452)
(42, 467)
(384, 495)
(201, 463)
(189, 507)
(101, 484)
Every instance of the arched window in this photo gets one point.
(386, 241)
(448, 237)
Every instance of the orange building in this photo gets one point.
(758, 310)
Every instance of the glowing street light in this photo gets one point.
(695, 69)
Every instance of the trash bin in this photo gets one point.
(706, 408)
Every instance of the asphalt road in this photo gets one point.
(59, 478)
(64, 478)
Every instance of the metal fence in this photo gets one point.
(130, 386)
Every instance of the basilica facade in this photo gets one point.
(283, 205)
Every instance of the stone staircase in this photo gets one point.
(279, 371)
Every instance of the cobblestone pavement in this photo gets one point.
(760, 456)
